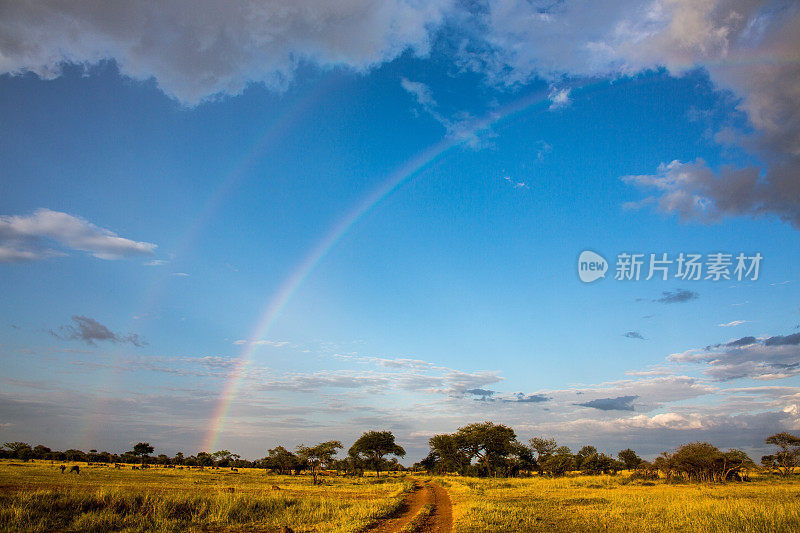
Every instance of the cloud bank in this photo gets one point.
(196, 50)
(771, 358)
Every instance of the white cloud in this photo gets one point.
(420, 91)
(262, 342)
(516, 184)
(559, 98)
(28, 238)
(462, 126)
(767, 358)
(732, 323)
(611, 38)
(195, 50)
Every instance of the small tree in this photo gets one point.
(788, 451)
(560, 462)
(583, 454)
(282, 460)
(629, 459)
(543, 448)
(19, 450)
(373, 446)
(143, 450)
(205, 459)
(319, 456)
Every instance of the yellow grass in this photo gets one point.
(612, 503)
(38, 497)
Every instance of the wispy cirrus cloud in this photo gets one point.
(732, 323)
(462, 126)
(33, 237)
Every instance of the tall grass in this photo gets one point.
(612, 503)
(40, 498)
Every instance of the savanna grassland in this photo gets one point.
(615, 503)
(36, 496)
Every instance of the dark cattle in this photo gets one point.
(75, 469)
(62, 468)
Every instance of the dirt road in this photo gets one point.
(428, 507)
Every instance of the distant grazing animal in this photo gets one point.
(234, 469)
(116, 465)
(75, 469)
(134, 468)
(63, 467)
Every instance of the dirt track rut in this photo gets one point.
(425, 493)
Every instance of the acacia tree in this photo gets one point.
(19, 450)
(373, 446)
(319, 456)
(583, 454)
(487, 442)
(788, 451)
(282, 460)
(142, 449)
(447, 454)
(543, 448)
(701, 461)
(629, 458)
(560, 462)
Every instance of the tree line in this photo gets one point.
(479, 449)
(488, 449)
(372, 450)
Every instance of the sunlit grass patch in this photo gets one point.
(37, 497)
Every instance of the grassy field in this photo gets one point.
(613, 503)
(38, 497)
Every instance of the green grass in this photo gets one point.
(37, 497)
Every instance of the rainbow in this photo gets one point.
(408, 170)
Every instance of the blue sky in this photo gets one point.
(161, 184)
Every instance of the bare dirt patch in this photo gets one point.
(427, 508)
